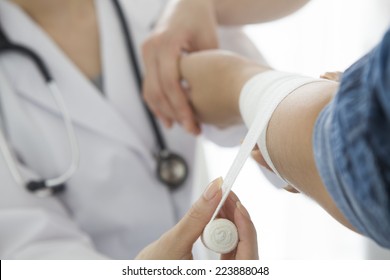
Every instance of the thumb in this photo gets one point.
(188, 230)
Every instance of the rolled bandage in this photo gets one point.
(261, 95)
(220, 236)
(239, 161)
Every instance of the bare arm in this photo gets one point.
(216, 80)
(289, 136)
(190, 25)
(233, 12)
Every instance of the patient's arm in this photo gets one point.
(216, 80)
(289, 142)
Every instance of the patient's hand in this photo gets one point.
(333, 76)
(215, 79)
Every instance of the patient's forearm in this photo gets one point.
(216, 79)
(234, 12)
(289, 141)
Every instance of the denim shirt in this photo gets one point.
(352, 144)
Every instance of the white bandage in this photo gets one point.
(261, 95)
(220, 236)
(239, 161)
(259, 99)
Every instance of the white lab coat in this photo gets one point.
(114, 205)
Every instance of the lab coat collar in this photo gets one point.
(120, 84)
(101, 116)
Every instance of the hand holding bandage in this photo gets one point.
(177, 243)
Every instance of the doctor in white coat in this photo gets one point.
(114, 205)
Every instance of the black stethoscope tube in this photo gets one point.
(172, 169)
(7, 46)
(137, 71)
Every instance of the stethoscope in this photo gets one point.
(172, 169)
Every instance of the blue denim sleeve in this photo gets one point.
(352, 144)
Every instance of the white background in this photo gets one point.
(325, 35)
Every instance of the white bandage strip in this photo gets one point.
(259, 98)
(208, 238)
(244, 152)
(263, 93)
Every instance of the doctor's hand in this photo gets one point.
(177, 243)
(185, 26)
(215, 79)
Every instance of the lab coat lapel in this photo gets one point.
(119, 80)
(86, 105)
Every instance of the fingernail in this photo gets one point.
(212, 189)
(243, 210)
(233, 197)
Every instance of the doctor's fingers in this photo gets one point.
(152, 88)
(189, 229)
(247, 248)
(158, 107)
(162, 82)
(229, 207)
(169, 71)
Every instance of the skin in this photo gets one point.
(181, 30)
(178, 31)
(334, 76)
(232, 12)
(72, 24)
(177, 243)
(216, 79)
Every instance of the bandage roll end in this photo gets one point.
(220, 236)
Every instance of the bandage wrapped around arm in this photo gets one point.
(261, 95)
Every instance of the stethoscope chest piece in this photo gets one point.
(172, 169)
